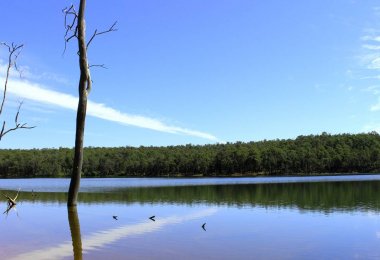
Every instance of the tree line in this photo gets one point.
(312, 154)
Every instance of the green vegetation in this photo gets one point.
(321, 154)
(324, 197)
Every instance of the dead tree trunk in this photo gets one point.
(77, 28)
(84, 88)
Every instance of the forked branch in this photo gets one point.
(71, 26)
(97, 65)
(17, 124)
(14, 51)
(11, 202)
(96, 33)
(71, 19)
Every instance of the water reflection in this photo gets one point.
(109, 184)
(9, 208)
(315, 196)
(269, 221)
(72, 214)
(100, 239)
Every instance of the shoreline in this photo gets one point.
(198, 176)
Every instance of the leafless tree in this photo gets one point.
(76, 29)
(13, 53)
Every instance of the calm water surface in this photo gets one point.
(246, 218)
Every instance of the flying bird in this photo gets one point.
(152, 218)
(204, 226)
(114, 217)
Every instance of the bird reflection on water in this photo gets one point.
(102, 238)
(204, 226)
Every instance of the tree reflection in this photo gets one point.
(343, 196)
(9, 208)
(72, 214)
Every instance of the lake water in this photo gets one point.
(246, 218)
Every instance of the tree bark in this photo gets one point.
(84, 87)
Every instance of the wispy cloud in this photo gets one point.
(370, 77)
(375, 107)
(33, 91)
(371, 47)
(48, 76)
(371, 37)
(370, 60)
(375, 63)
(374, 89)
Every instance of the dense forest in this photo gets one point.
(313, 154)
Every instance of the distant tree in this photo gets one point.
(76, 28)
(13, 53)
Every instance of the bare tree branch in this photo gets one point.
(98, 65)
(11, 202)
(13, 53)
(17, 124)
(71, 27)
(96, 33)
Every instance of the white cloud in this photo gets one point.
(375, 107)
(371, 77)
(25, 72)
(38, 93)
(374, 64)
(374, 89)
(371, 47)
(374, 38)
(371, 61)
(28, 74)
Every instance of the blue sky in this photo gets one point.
(196, 71)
